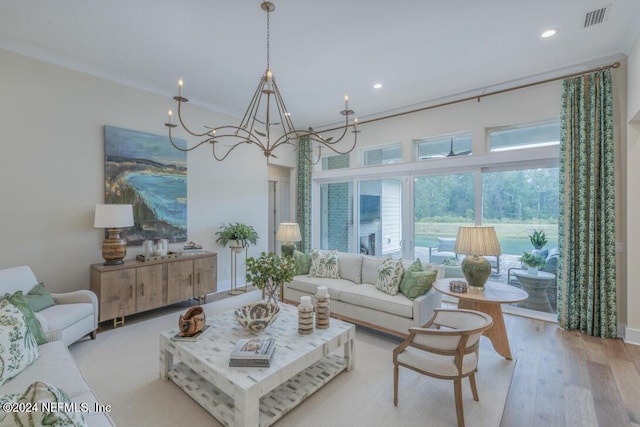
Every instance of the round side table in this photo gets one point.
(535, 285)
(488, 301)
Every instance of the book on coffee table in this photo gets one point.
(194, 337)
(253, 352)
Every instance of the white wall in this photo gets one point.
(632, 155)
(52, 170)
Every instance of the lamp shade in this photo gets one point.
(113, 216)
(288, 232)
(477, 241)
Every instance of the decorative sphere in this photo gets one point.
(257, 316)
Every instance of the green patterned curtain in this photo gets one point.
(586, 228)
(304, 193)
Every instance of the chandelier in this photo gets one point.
(258, 131)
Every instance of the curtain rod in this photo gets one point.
(477, 97)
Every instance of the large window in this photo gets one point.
(525, 136)
(382, 155)
(380, 217)
(443, 146)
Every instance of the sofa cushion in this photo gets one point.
(324, 264)
(309, 285)
(33, 324)
(58, 412)
(389, 276)
(416, 283)
(61, 316)
(350, 266)
(303, 262)
(39, 298)
(370, 269)
(366, 295)
(18, 347)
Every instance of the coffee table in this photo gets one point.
(488, 301)
(252, 397)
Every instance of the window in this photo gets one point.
(336, 219)
(443, 146)
(525, 136)
(382, 155)
(337, 161)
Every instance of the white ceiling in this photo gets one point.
(420, 50)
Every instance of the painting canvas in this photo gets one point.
(146, 171)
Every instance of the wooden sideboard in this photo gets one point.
(137, 286)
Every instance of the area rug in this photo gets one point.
(122, 367)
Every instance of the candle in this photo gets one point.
(323, 292)
(355, 124)
(346, 102)
(305, 302)
(170, 116)
(180, 83)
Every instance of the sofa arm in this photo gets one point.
(80, 296)
(424, 306)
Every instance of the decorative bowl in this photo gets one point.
(257, 316)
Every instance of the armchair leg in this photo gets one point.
(474, 390)
(457, 389)
(395, 385)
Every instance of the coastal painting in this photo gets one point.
(146, 171)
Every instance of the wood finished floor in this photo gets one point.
(565, 378)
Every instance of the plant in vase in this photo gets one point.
(533, 261)
(268, 272)
(538, 239)
(238, 236)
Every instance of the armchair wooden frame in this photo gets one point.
(450, 353)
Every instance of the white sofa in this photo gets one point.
(56, 366)
(73, 316)
(354, 297)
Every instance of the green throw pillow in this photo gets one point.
(416, 266)
(58, 412)
(39, 298)
(416, 283)
(303, 262)
(18, 348)
(30, 319)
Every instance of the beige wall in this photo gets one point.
(52, 170)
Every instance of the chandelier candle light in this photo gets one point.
(476, 242)
(252, 130)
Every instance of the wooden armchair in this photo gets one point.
(446, 348)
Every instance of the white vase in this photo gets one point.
(532, 270)
(236, 245)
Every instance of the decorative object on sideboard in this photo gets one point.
(113, 218)
(266, 100)
(288, 233)
(305, 316)
(257, 316)
(192, 322)
(323, 309)
(475, 242)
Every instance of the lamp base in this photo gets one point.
(476, 270)
(287, 249)
(114, 248)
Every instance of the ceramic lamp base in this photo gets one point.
(287, 249)
(476, 270)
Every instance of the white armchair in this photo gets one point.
(73, 316)
(446, 348)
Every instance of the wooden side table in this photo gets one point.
(488, 301)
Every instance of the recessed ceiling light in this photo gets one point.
(377, 86)
(549, 33)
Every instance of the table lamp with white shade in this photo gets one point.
(288, 233)
(113, 218)
(477, 242)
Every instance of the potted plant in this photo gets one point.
(533, 261)
(238, 236)
(538, 239)
(269, 272)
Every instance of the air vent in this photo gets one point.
(597, 16)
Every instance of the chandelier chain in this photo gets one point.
(268, 41)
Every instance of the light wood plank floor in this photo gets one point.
(565, 378)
